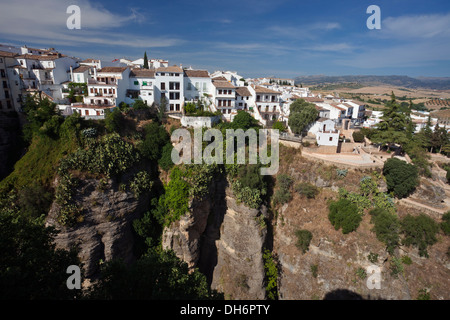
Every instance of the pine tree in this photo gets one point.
(145, 60)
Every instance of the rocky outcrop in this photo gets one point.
(106, 231)
(225, 240)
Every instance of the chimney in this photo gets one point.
(71, 73)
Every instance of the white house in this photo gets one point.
(141, 86)
(197, 84)
(169, 83)
(326, 133)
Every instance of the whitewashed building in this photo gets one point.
(197, 84)
(169, 83)
(141, 86)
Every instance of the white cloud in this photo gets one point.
(44, 22)
(417, 26)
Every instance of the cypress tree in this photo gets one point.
(145, 60)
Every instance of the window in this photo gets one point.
(171, 107)
(163, 86)
(220, 91)
(144, 83)
(204, 86)
(174, 86)
(2, 72)
(174, 95)
(177, 107)
(331, 138)
(136, 83)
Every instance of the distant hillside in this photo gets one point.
(400, 81)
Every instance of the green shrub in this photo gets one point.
(341, 173)
(306, 189)
(344, 214)
(401, 177)
(445, 224)
(423, 295)
(406, 260)
(372, 257)
(314, 270)
(419, 231)
(165, 162)
(386, 228)
(361, 273)
(396, 267)
(282, 196)
(141, 183)
(284, 181)
(358, 136)
(304, 238)
(156, 137)
(271, 273)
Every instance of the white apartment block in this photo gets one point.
(106, 90)
(45, 72)
(10, 87)
(267, 104)
(224, 96)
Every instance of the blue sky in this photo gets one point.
(255, 38)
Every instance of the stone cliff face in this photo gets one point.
(106, 231)
(225, 241)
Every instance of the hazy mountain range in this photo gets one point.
(435, 83)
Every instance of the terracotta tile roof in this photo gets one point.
(174, 69)
(312, 99)
(81, 69)
(223, 84)
(7, 54)
(196, 73)
(112, 70)
(221, 78)
(40, 57)
(259, 89)
(89, 60)
(243, 92)
(142, 73)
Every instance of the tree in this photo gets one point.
(243, 120)
(162, 110)
(302, 114)
(401, 177)
(419, 231)
(392, 128)
(113, 120)
(358, 136)
(157, 275)
(278, 125)
(140, 105)
(145, 66)
(156, 137)
(30, 265)
(386, 228)
(344, 214)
